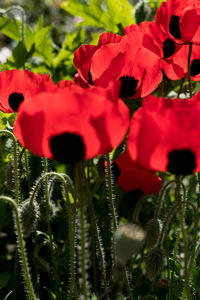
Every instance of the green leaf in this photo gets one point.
(120, 11)
(39, 23)
(11, 28)
(20, 55)
(92, 13)
(44, 45)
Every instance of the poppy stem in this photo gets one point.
(27, 170)
(15, 152)
(160, 200)
(21, 248)
(181, 87)
(185, 242)
(54, 265)
(71, 214)
(23, 17)
(109, 185)
(189, 70)
(80, 190)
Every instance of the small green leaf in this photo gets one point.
(11, 28)
(39, 23)
(92, 13)
(120, 11)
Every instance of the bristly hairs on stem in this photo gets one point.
(21, 250)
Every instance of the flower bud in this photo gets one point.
(29, 215)
(153, 229)
(154, 262)
(129, 240)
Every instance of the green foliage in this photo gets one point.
(99, 14)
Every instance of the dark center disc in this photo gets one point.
(128, 86)
(14, 100)
(195, 67)
(168, 48)
(67, 147)
(174, 27)
(181, 162)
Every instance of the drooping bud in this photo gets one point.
(129, 240)
(153, 229)
(154, 262)
(29, 215)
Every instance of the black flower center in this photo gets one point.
(128, 87)
(174, 27)
(67, 147)
(90, 81)
(14, 100)
(115, 171)
(195, 67)
(181, 162)
(168, 48)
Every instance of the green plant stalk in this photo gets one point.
(42, 178)
(185, 242)
(114, 224)
(73, 285)
(159, 203)
(138, 207)
(23, 17)
(29, 286)
(28, 177)
(80, 184)
(112, 207)
(65, 181)
(181, 87)
(189, 69)
(15, 152)
(99, 245)
(54, 267)
(192, 257)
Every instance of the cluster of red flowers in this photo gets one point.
(73, 121)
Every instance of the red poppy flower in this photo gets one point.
(139, 77)
(17, 85)
(83, 56)
(158, 41)
(131, 178)
(181, 20)
(165, 135)
(72, 124)
(181, 58)
(113, 59)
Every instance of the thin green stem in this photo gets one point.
(189, 69)
(80, 184)
(185, 242)
(42, 178)
(73, 285)
(28, 177)
(192, 256)
(138, 207)
(23, 18)
(54, 268)
(15, 152)
(112, 207)
(181, 87)
(160, 201)
(29, 286)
